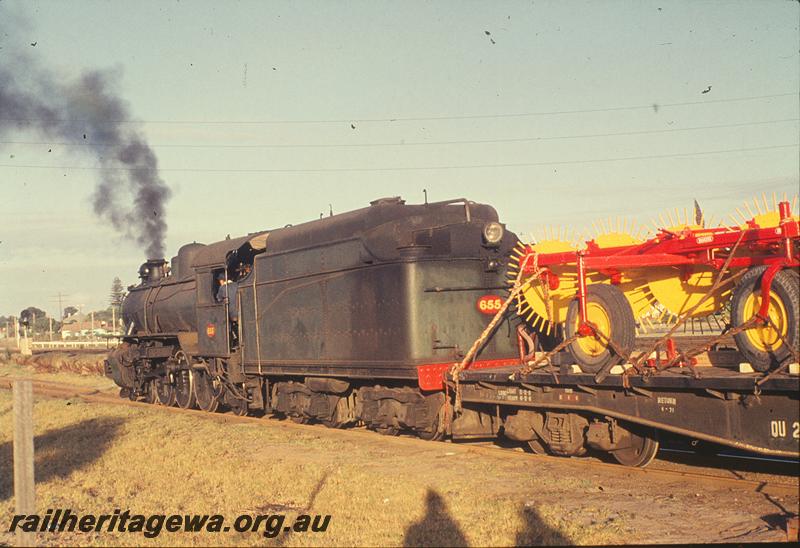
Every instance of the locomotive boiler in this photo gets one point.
(329, 320)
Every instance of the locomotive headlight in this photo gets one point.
(493, 233)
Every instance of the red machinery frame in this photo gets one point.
(772, 246)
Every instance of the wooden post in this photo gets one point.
(24, 494)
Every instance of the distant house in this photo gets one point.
(84, 328)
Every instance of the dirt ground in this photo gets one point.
(379, 491)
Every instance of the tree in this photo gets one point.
(117, 293)
(70, 311)
(27, 315)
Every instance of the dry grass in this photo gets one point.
(95, 458)
(82, 363)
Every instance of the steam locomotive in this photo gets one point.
(330, 321)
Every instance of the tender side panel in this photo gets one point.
(385, 318)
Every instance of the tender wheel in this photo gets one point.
(437, 431)
(762, 345)
(205, 393)
(641, 451)
(387, 430)
(165, 392)
(609, 310)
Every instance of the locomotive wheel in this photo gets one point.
(150, 392)
(239, 407)
(609, 310)
(206, 395)
(164, 392)
(640, 452)
(184, 389)
(763, 345)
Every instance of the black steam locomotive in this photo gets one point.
(327, 321)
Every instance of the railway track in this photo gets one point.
(769, 483)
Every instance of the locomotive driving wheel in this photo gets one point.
(184, 383)
(206, 391)
(164, 391)
(150, 391)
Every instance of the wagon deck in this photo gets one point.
(719, 404)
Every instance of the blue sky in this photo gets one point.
(250, 107)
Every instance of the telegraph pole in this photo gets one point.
(60, 298)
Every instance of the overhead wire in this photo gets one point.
(409, 168)
(413, 143)
(654, 106)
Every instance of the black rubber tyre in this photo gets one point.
(758, 345)
(620, 327)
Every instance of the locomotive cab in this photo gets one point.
(223, 264)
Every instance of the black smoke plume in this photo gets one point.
(130, 194)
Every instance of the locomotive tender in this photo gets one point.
(331, 318)
(359, 318)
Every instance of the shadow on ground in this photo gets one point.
(438, 528)
(62, 451)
